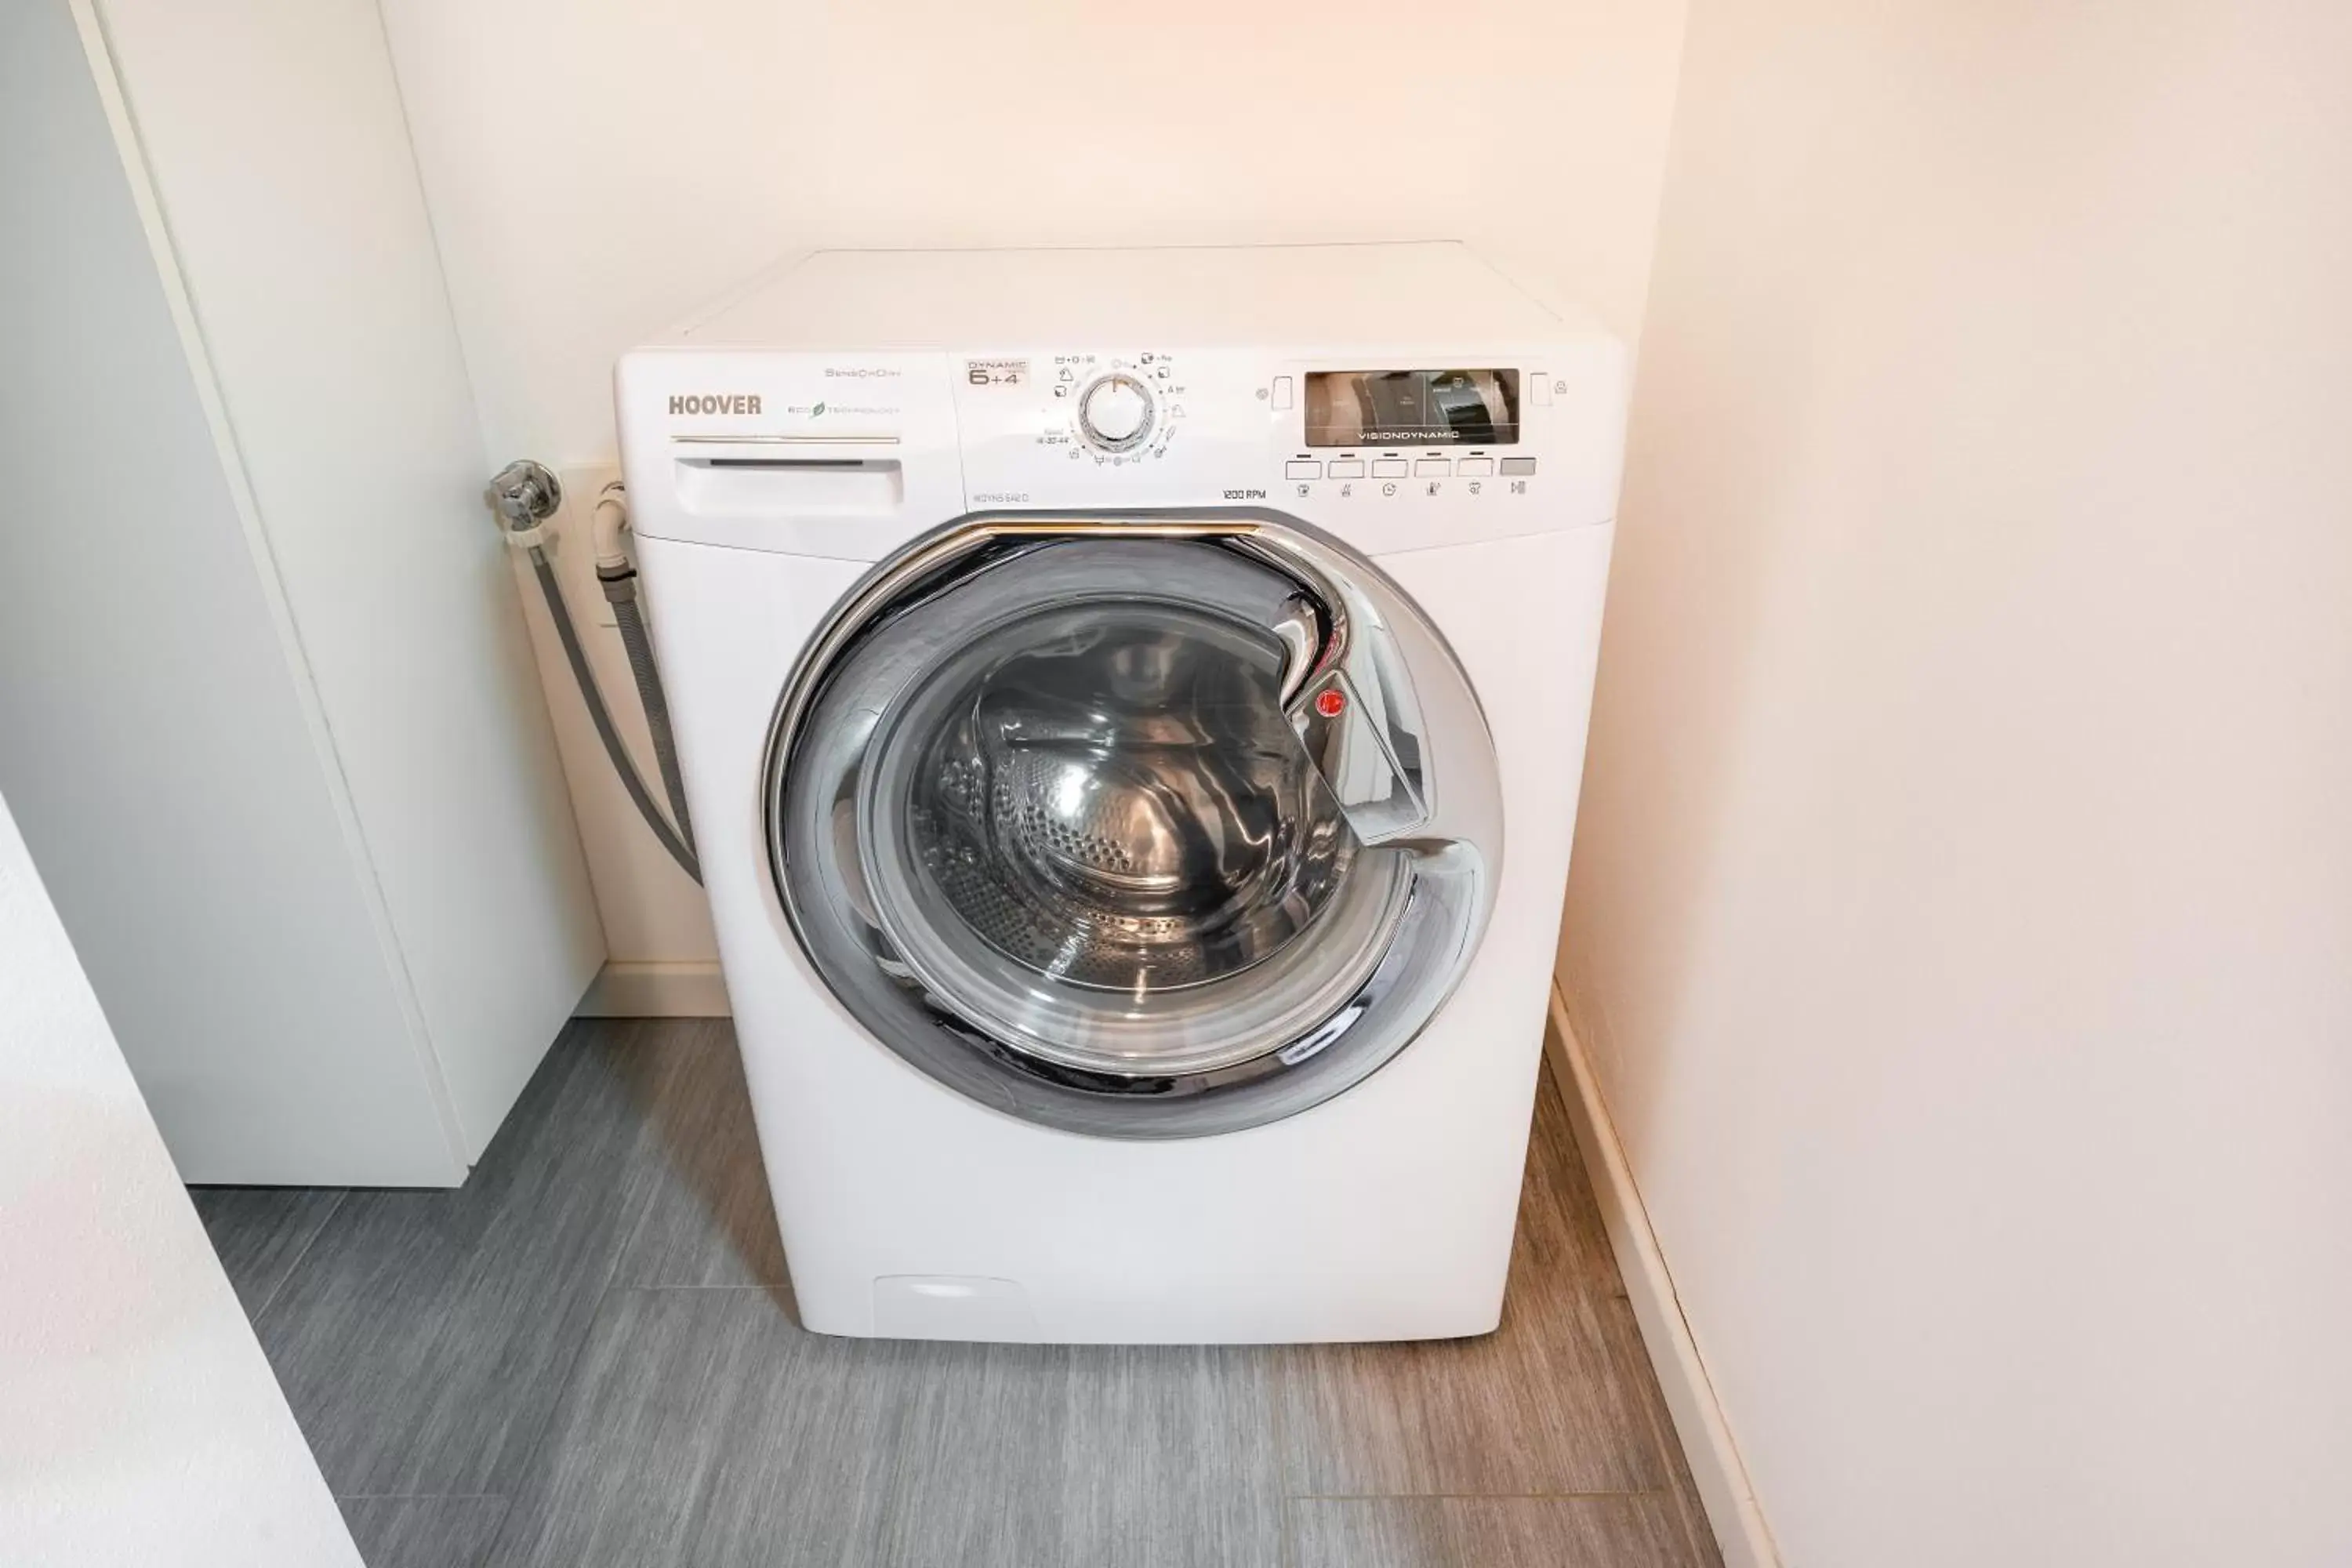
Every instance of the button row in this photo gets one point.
(1397, 467)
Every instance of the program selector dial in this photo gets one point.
(1115, 413)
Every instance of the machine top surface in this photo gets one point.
(1204, 296)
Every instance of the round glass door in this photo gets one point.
(1048, 820)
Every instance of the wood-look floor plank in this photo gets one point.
(644, 1423)
(423, 1531)
(708, 1218)
(1557, 1181)
(423, 1337)
(1171, 1456)
(1621, 1531)
(1552, 1402)
(1690, 1514)
(1561, 1236)
(259, 1234)
(705, 1426)
(1544, 1404)
(813, 1429)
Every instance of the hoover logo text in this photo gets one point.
(719, 403)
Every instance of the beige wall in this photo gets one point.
(596, 172)
(1962, 918)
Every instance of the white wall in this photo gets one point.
(143, 1425)
(596, 172)
(1962, 914)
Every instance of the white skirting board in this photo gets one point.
(631, 990)
(1700, 1423)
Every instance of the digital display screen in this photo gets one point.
(1413, 407)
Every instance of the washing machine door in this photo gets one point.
(1137, 828)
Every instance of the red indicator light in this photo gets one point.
(1330, 702)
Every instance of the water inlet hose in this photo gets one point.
(525, 495)
(621, 592)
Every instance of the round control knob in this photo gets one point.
(1115, 413)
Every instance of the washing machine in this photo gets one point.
(1131, 705)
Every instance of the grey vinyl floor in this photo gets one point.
(587, 1356)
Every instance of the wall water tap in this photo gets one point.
(525, 494)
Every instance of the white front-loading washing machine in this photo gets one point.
(1131, 705)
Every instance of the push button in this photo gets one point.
(1432, 467)
(1518, 465)
(1282, 391)
(1346, 467)
(1390, 467)
(1305, 471)
(1474, 468)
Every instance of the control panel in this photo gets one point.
(1391, 453)
(838, 454)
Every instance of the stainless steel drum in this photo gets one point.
(1118, 802)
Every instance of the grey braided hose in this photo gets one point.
(621, 589)
(679, 847)
(526, 494)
